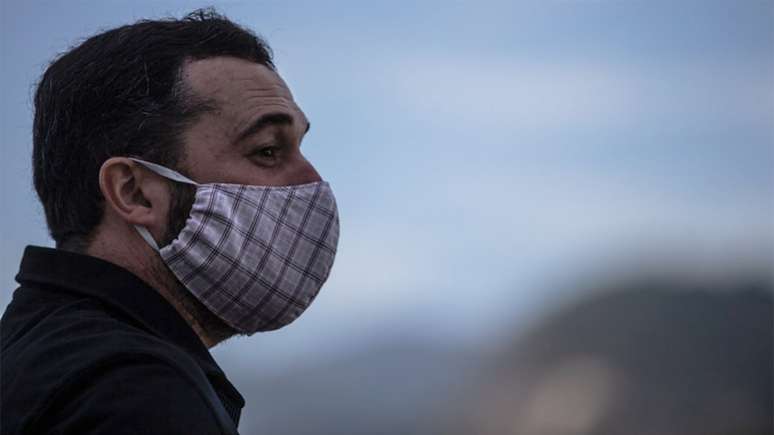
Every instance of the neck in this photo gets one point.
(149, 267)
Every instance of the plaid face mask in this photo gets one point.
(256, 256)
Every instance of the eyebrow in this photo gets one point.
(267, 120)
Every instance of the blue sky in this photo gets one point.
(480, 151)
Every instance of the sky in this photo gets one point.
(482, 153)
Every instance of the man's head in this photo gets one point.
(173, 92)
(199, 95)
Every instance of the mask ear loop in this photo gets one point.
(166, 173)
(145, 234)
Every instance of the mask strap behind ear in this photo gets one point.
(165, 172)
(145, 234)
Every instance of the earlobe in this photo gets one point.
(129, 191)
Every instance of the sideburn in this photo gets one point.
(183, 196)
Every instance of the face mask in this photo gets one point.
(256, 256)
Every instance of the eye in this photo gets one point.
(267, 152)
(267, 156)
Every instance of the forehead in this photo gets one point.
(242, 90)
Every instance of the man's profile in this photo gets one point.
(166, 154)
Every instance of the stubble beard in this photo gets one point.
(216, 330)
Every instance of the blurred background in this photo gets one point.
(557, 216)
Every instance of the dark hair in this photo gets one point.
(120, 93)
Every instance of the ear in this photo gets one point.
(133, 193)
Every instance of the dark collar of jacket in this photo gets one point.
(121, 290)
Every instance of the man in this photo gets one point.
(167, 159)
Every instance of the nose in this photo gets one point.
(304, 172)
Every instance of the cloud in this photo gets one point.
(566, 93)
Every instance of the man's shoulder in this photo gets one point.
(129, 393)
(79, 361)
(74, 334)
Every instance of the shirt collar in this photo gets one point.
(120, 289)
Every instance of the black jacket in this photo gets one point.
(89, 348)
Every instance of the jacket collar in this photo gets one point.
(124, 291)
